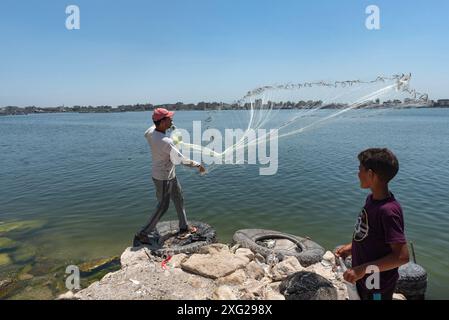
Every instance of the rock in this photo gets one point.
(25, 277)
(9, 286)
(154, 283)
(196, 282)
(326, 263)
(323, 270)
(285, 268)
(267, 269)
(34, 293)
(254, 270)
(69, 295)
(4, 259)
(247, 296)
(6, 227)
(234, 279)
(132, 256)
(259, 258)
(5, 285)
(234, 248)
(266, 280)
(329, 256)
(275, 286)
(224, 293)
(398, 296)
(253, 289)
(215, 273)
(214, 266)
(339, 283)
(6, 243)
(44, 266)
(272, 259)
(306, 285)
(26, 269)
(342, 292)
(273, 295)
(245, 253)
(178, 259)
(214, 248)
(91, 267)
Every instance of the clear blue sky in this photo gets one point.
(213, 50)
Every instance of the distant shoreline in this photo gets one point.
(202, 106)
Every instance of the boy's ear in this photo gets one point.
(371, 174)
(374, 176)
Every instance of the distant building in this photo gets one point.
(442, 103)
(31, 109)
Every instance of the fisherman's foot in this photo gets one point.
(184, 234)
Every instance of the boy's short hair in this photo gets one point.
(381, 161)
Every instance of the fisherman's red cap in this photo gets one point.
(161, 113)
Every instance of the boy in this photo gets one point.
(378, 239)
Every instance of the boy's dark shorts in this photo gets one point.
(387, 294)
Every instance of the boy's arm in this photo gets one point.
(344, 251)
(395, 259)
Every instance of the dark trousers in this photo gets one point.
(166, 190)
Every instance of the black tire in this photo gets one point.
(308, 252)
(169, 229)
(412, 281)
(307, 286)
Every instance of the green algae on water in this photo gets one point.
(4, 259)
(6, 227)
(6, 243)
(24, 254)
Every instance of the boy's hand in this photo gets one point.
(354, 274)
(344, 251)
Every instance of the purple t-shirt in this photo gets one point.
(379, 224)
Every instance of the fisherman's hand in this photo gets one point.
(354, 274)
(344, 251)
(201, 169)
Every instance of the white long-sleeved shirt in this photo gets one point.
(163, 151)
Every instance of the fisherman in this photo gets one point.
(164, 157)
